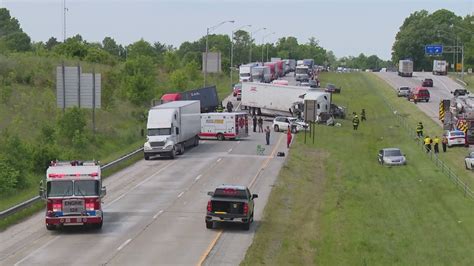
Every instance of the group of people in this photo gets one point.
(355, 119)
(427, 141)
(229, 107)
(267, 131)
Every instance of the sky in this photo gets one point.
(346, 27)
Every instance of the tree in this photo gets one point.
(110, 46)
(73, 120)
(51, 43)
(140, 48)
(139, 80)
(12, 37)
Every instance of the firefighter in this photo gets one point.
(219, 108)
(230, 106)
(362, 115)
(355, 122)
(436, 144)
(427, 142)
(254, 120)
(419, 130)
(444, 142)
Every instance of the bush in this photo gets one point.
(73, 120)
(8, 176)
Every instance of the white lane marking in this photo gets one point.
(158, 214)
(197, 177)
(180, 194)
(137, 185)
(124, 244)
(237, 108)
(218, 160)
(34, 252)
(229, 150)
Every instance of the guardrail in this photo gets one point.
(36, 199)
(434, 157)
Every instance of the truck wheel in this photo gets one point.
(209, 225)
(181, 150)
(196, 141)
(147, 157)
(50, 227)
(276, 128)
(173, 153)
(246, 226)
(220, 137)
(98, 226)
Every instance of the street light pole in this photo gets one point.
(232, 51)
(251, 41)
(208, 30)
(263, 38)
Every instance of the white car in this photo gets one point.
(455, 137)
(281, 123)
(469, 161)
(391, 156)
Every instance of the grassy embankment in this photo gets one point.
(333, 204)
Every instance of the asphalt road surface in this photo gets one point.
(154, 212)
(442, 87)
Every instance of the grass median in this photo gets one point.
(333, 204)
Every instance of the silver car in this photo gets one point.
(403, 91)
(391, 156)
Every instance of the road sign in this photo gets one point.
(434, 49)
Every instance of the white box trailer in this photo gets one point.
(405, 68)
(274, 99)
(171, 127)
(223, 126)
(245, 73)
(440, 67)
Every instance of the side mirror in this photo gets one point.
(210, 193)
(254, 196)
(103, 191)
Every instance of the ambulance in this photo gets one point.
(73, 192)
(223, 126)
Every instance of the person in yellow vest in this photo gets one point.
(427, 142)
(436, 144)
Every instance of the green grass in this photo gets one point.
(468, 78)
(333, 204)
(21, 215)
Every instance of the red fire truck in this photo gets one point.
(73, 194)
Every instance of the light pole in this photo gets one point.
(251, 34)
(267, 50)
(232, 50)
(263, 40)
(208, 30)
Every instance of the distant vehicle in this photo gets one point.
(403, 91)
(73, 193)
(237, 90)
(391, 156)
(419, 94)
(304, 83)
(332, 88)
(230, 204)
(222, 126)
(440, 67)
(405, 68)
(313, 83)
(281, 123)
(455, 138)
(261, 74)
(302, 73)
(280, 82)
(469, 161)
(171, 127)
(273, 69)
(207, 97)
(245, 73)
(427, 83)
(460, 92)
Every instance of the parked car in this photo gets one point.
(427, 83)
(230, 204)
(419, 94)
(391, 156)
(332, 88)
(403, 91)
(313, 83)
(469, 161)
(237, 90)
(281, 123)
(460, 92)
(456, 137)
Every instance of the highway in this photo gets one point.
(154, 212)
(442, 87)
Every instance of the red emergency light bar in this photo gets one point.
(54, 175)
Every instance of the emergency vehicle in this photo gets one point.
(223, 126)
(73, 194)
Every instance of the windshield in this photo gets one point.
(391, 153)
(86, 188)
(257, 71)
(301, 71)
(245, 74)
(59, 188)
(159, 131)
(457, 133)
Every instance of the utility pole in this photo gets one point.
(64, 20)
(251, 42)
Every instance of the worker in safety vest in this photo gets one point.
(355, 122)
(419, 129)
(436, 144)
(219, 108)
(427, 141)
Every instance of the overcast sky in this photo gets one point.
(343, 26)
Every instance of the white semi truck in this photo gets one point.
(405, 68)
(245, 73)
(302, 73)
(440, 67)
(274, 99)
(172, 127)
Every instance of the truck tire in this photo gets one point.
(98, 226)
(147, 157)
(196, 141)
(276, 128)
(181, 149)
(50, 227)
(173, 153)
(220, 137)
(246, 226)
(209, 225)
